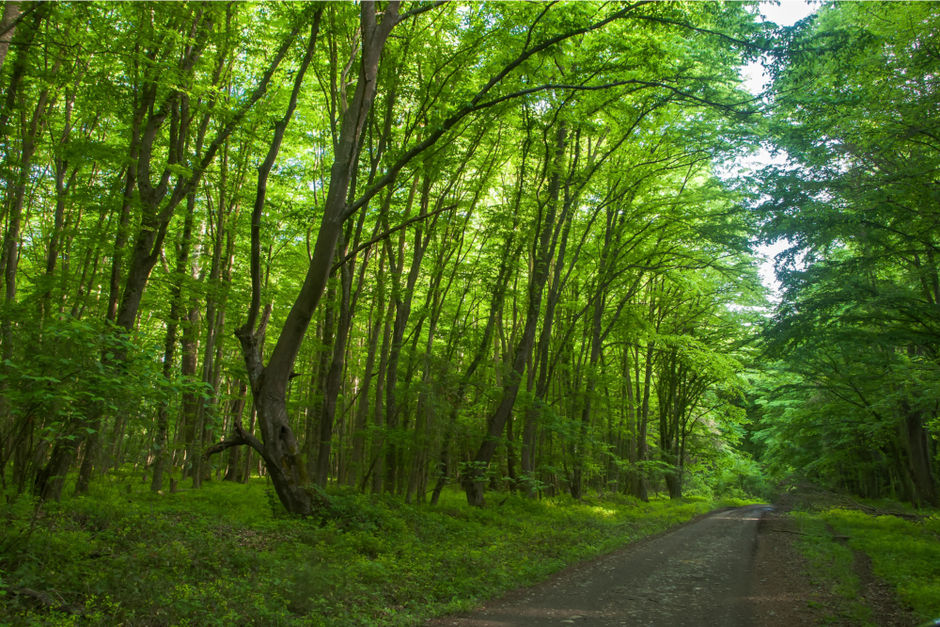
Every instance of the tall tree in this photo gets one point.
(856, 204)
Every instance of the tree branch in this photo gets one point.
(382, 236)
(419, 10)
(474, 105)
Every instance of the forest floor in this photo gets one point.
(226, 554)
(788, 590)
(738, 566)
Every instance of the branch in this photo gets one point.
(19, 18)
(704, 101)
(264, 171)
(241, 437)
(223, 445)
(742, 42)
(474, 105)
(382, 236)
(547, 86)
(187, 185)
(419, 10)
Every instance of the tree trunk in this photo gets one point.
(578, 461)
(333, 381)
(472, 480)
(377, 465)
(278, 445)
(499, 294)
(359, 472)
(642, 452)
(11, 13)
(190, 417)
(916, 441)
(402, 296)
(234, 470)
(161, 439)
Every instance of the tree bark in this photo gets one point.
(359, 472)
(333, 381)
(11, 15)
(916, 441)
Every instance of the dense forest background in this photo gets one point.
(508, 246)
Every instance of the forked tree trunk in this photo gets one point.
(278, 446)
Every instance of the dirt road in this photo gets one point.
(700, 574)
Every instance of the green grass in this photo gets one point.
(905, 553)
(225, 555)
(830, 568)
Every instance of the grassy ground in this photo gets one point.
(831, 570)
(224, 555)
(904, 552)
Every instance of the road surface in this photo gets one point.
(699, 574)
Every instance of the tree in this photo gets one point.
(466, 222)
(855, 201)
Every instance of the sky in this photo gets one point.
(786, 12)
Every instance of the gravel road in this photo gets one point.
(699, 574)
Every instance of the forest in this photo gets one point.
(393, 250)
(493, 245)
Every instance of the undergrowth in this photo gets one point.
(830, 568)
(903, 552)
(222, 555)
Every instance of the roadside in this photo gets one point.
(745, 566)
(809, 575)
(782, 593)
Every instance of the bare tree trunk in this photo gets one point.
(402, 296)
(161, 440)
(333, 381)
(190, 417)
(915, 441)
(359, 472)
(377, 465)
(576, 487)
(234, 470)
(11, 15)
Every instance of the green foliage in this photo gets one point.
(729, 474)
(853, 344)
(78, 370)
(120, 120)
(218, 556)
